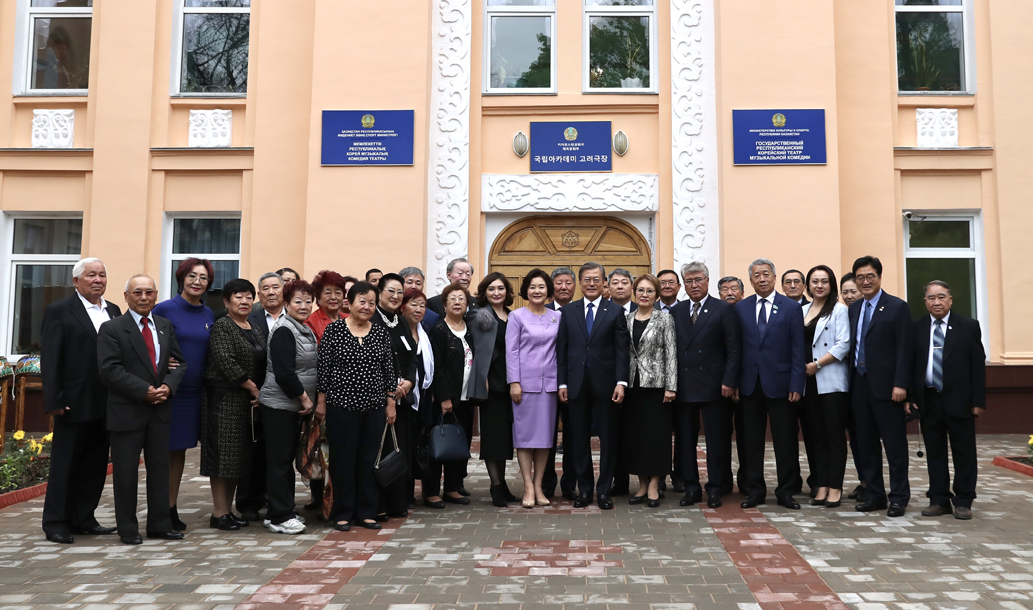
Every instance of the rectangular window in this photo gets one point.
(519, 46)
(932, 43)
(620, 46)
(215, 239)
(43, 252)
(58, 41)
(214, 38)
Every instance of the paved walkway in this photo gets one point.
(556, 557)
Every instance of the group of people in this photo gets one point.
(311, 377)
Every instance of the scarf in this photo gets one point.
(427, 354)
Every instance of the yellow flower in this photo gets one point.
(19, 435)
(39, 448)
(1031, 439)
(50, 437)
(32, 445)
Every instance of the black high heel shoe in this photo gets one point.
(177, 525)
(633, 500)
(498, 495)
(506, 494)
(225, 523)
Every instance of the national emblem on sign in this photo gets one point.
(367, 121)
(779, 120)
(570, 134)
(570, 239)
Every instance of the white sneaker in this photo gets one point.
(290, 526)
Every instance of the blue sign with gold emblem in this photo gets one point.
(778, 137)
(571, 146)
(368, 137)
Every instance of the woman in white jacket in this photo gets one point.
(827, 399)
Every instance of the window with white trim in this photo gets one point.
(211, 47)
(520, 56)
(934, 46)
(56, 43)
(620, 50)
(214, 238)
(43, 252)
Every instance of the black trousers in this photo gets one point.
(394, 499)
(251, 491)
(881, 420)
(687, 417)
(78, 469)
(734, 423)
(809, 443)
(354, 438)
(939, 427)
(584, 411)
(153, 441)
(454, 472)
(568, 481)
(825, 417)
(757, 408)
(282, 434)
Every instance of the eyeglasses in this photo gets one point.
(394, 292)
(456, 300)
(668, 283)
(592, 280)
(866, 279)
(645, 291)
(695, 281)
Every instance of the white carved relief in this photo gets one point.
(211, 129)
(53, 128)
(570, 193)
(448, 192)
(694, 135)
(937, 127)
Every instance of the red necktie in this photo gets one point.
(148, 340)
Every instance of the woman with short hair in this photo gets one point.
(330, 289)
(414, 307)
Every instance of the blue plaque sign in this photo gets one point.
(779, 137)
(368, 137)
(572, 146)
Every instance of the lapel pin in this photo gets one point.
(705, 310)
(881, 308)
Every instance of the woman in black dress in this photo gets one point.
(233, 376)
(494, 296)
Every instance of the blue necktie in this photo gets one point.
(861, 368)
(938, 356)
(762, 320)
(589, 319)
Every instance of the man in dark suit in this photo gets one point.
(133, 354)
(74, 394)
(621, 294)
(563, 290)
(730, 290)
(458, 270)
(772, 379)
(793, 286)
(949, 389)
(594, 364)
(413, 278)
(708, 369)
(882, 346)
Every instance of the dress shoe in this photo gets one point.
(653, 503)
(498, 495)
(817, 502)
(935, 510)
(753, 500)
(713, 501)
(570, 495)
(463, 492)
(896, 509)
(788, 502)
(527, 503)
(507, 494)
(870, 504)
(370, 525)
(173, 535)
(454, 500)
(177, 524)
(856, 494)
(832, 504)
(246, 517)
(96, 530)
(542, 501)
(430, 504)
(225, 523)
(678, 485)
(693, 497)
(634, 500)
(583, 500)
(131, 539)
(605, 502)
(814, 492)
(346, 527)
(962, 512)
(61, 538)
(382, 518)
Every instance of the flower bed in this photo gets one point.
(25, 462)
(1018, 464)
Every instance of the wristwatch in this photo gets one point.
(817, 364)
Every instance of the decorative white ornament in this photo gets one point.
(570, 193)
(937, 127)
(211, 129)
(448, 192)
(694, 135)
(53, 128)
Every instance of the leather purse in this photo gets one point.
(448, 442)
(390, 468)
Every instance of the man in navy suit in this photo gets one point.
(772, 379)
(594, 365)
(708, 369)
(563, 289)
(881, 344)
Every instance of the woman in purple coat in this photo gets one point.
(531, 369)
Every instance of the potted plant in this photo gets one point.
(924, 71)
(633, 51)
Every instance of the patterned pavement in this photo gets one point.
(554, 557)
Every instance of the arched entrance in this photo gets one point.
(567, 241)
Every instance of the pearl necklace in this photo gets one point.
(383, 317)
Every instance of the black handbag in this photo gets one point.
(448, 442)
(389, 469)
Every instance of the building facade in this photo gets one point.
(146, 131)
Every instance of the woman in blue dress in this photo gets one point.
(192, 321)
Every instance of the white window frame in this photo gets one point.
(167, 256)
(975, 251)
(519, 11)
(23, 52)
(654, 43)
(968, 38)
(9, 261)
(176, 71)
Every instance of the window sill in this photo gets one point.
(525, 92)
(33, 99)
(940, 100)
(209, 101)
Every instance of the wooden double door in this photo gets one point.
(548, 242)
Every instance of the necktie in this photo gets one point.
(589, 319)
(861, 367)
(695, 312)
(938, 356)
(148, 340)
(762, 320)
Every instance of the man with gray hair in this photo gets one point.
(458, 270)
(730, 289)
(413, 279)
(563, 287)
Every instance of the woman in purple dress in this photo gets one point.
(531, 369)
